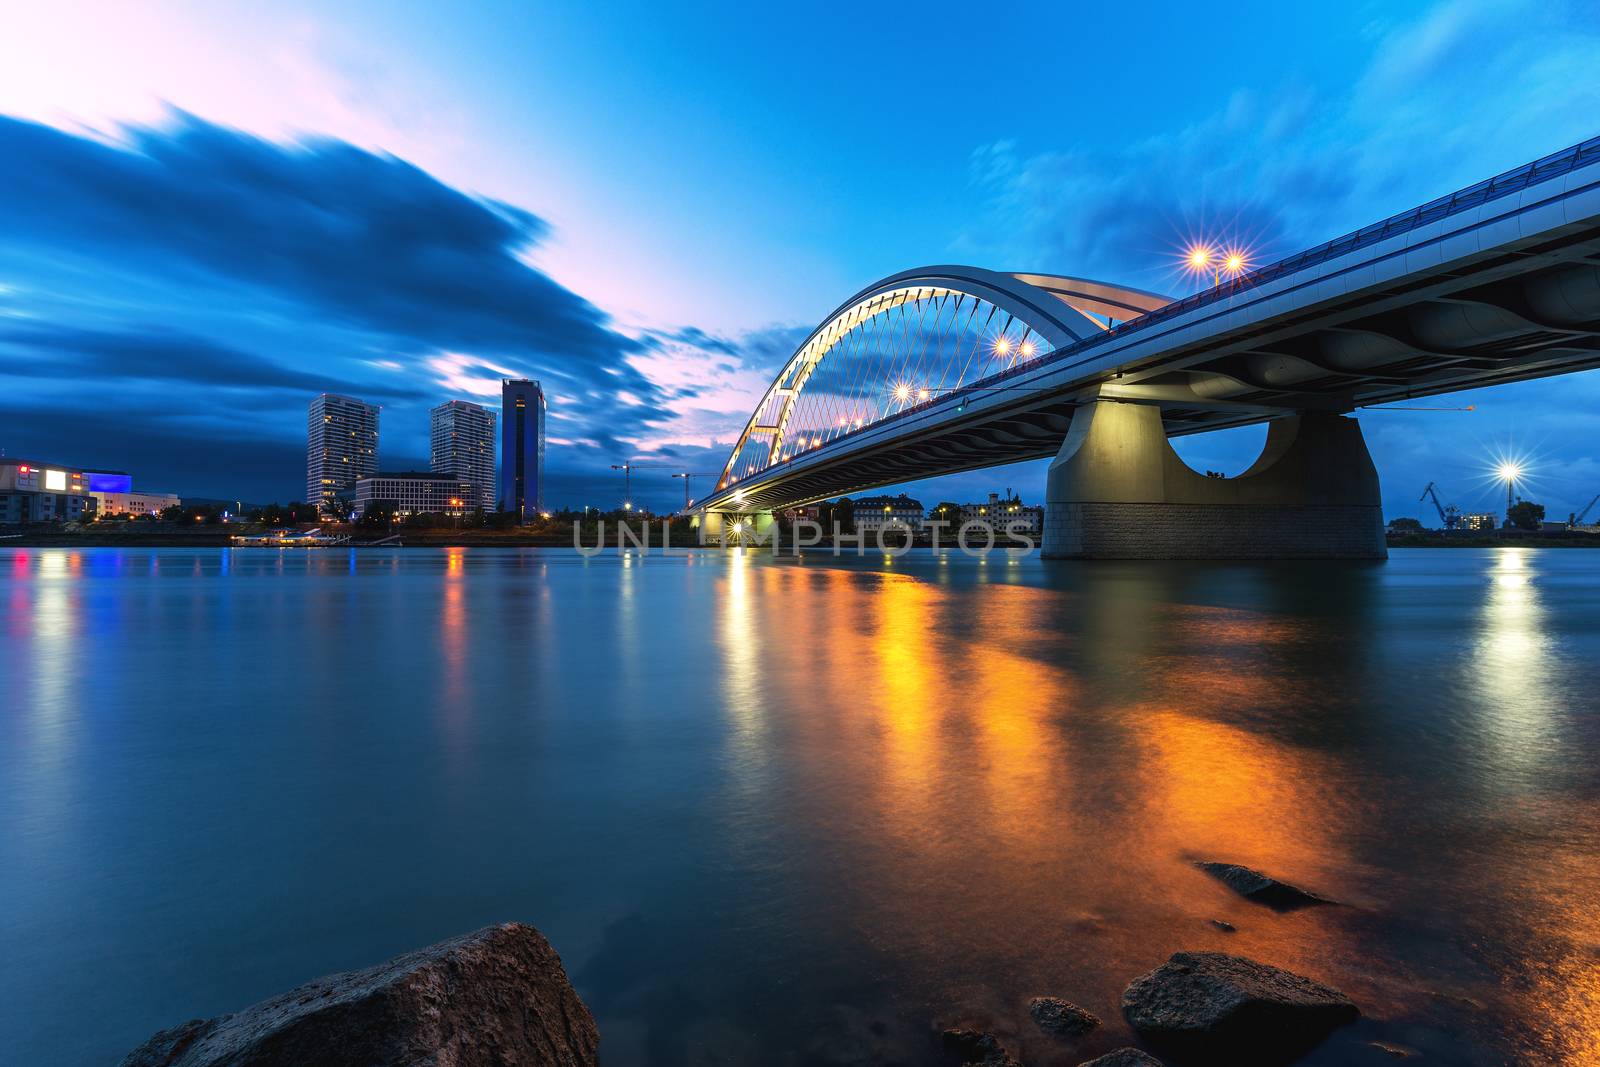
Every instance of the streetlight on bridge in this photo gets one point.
(1201, 258)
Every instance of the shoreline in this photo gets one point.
(183, 538)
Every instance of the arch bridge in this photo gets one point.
(950, 368)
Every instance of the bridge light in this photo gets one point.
(922, 394)
(1026, 349)
(902, 392)
(1199, 258)
(1002, 346)
(1234, 263)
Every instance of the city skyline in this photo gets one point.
(654, 331)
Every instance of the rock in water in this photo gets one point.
(1061, 1017)
(1124, 1057)
(1216, 1008)
(495, 997)
(1253, 885)
(978, 1048)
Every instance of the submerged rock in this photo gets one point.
(1123, 1057)
(1225, 927)
(1253, 885)
(1061, 1017)
(1216, 1008)
(495, 997)
(1396, 1051)
(979, 1048)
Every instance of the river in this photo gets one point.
(806, 812)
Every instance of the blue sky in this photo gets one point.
(209, 212)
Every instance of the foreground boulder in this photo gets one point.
(1253, 885)
(1061, 1017)
(495, 997)
(1210, 1007)
(1123, 1057)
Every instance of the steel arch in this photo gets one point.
(1055, 309)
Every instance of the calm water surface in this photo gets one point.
(789, 813)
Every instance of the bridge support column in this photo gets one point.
(1117, 490)
(718, 527)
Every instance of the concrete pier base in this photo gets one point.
(733, 528)
(1117, 490)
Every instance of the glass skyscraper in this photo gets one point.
(521, 447)
(462, 440)
(341, 446)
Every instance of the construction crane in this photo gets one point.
(1577, 520)
(627, 470)
(686, 475)
(1449, 514)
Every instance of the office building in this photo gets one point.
(341, 446)
(414, 493)
(131, 502)
(43, 492)
(462, 444)
(521, 447)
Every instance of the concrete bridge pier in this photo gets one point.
(1117, 490)
(718, 527)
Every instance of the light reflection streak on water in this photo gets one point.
(52, 651)
(1513, 684)
(454, 640)
(738, 688)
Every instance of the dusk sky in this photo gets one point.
(209, 213)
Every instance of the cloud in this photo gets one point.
(1446, 99)
(156, 354)
(354, 239)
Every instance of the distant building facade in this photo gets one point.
(1003, 513)
(1480, 521)
(521, 447)
(461, 437)
(874, 513)
(43, 492)
(133, 503)
(415, 493)
(341, 446)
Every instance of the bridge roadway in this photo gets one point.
(1497, 283)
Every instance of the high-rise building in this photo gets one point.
(341, 446)
(521, 446)
(462, 437)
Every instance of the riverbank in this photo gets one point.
(175, 535)
(1495, 539)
